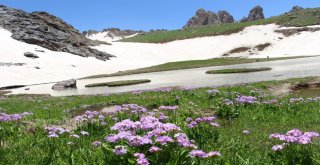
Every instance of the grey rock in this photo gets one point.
(296, 9)
(37, 67)
(255, 14)
(225, 17)
(38, 50)
(72, 83)
(157, 30)
(203, 17)
(30, 55)
(114, 32)
(48, 31)
(11, 64)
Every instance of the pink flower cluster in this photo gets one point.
(293, 136)
(54, 132)
(202, 154)
(293, 100)
(141, 159)
(133, 108)
(15, 117)
(160, 115)
(91, 116)
(169, 108)
(246, 99)
(151, 131)
(213, 92)
(194, 123)
(152, 127)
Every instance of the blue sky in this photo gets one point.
(147, 14)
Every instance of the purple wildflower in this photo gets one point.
(246, 132)
(154, 149)
(198, 154)
(141, 159)
(246, 99)
(163, 140)
(213, 92)
(169, 108)
(96, 143)
(277, 147)
(84, 133)
(214, 154)
(120, 150)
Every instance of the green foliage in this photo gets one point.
(240, 70)
(24, 143)
(119, 83)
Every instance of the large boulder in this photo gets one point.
(43, 29)
(67, 84)
(203, 17)
(30, 55)
(255, 14)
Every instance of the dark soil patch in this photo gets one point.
(261, 47)
(239, 50)
(290, 32)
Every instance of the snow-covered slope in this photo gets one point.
(54, 66)
(57, 66)
(108, 36)
(302, 43)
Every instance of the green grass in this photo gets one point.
(192, 64)
(26, 144)
(240, 70)
(302, 18)
(118, 83)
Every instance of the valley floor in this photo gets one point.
(58, 66)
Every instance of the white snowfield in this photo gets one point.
(58, 66)
(104, 36)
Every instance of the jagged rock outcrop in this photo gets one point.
(203, 17)
(67, 84)
(157, 30)
(43, 29)
(255, 14)
(114, 32)
(296, 9)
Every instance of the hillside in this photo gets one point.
(305, 17)
(48, 31)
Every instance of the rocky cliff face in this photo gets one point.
(114, 32)
(255, 14)
(203, 17)
(43, 29)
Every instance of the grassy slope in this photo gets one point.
(190, 64)
(302, 18)
(236, 148)
(241, 70)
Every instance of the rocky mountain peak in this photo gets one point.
(255, 14)
(203, 17)
(296, 9)
(46, 30)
